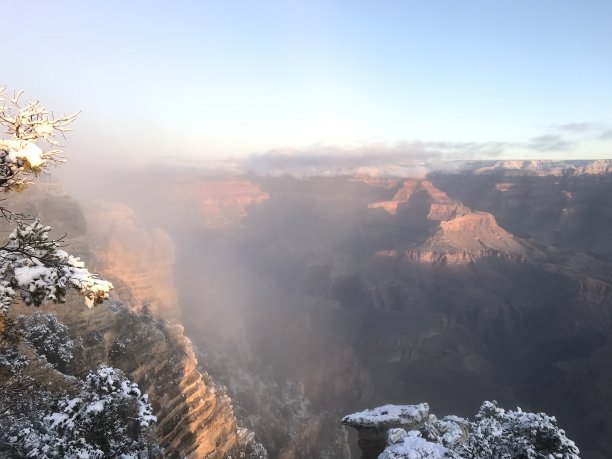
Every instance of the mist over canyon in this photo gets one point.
(256, 311)
(306, 230)
(309, 298)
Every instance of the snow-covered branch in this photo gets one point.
(35, 266)
(25, 126)
(32, 265)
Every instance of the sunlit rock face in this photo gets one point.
(599, 167)
(213, 202)
(466, 238)
(139, 260)
(459, 235)
(441, 206)
(195, 418)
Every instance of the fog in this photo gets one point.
(282, 292)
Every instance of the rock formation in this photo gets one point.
(140, 261)
(195, 417)
(462, 236)
(373, 425)
(213, 202)
(410, 432)
(441, 206)
(466, 238)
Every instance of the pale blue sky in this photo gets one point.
(231, 78)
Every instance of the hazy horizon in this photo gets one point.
(221, 82)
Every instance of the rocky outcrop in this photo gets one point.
(411, 432)
(138, 260)
(462, 236)
(214, 202)
(464, 239)
(467, 238)
(441, 206)
(373, 425)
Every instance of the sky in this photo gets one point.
(219, 80)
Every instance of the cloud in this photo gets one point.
(577, 128)
(337, 160)
(585, 131)
(606, 135)
(409, 158)
(470, 149)
(414, 157)
(548, 142)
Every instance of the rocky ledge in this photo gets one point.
(463, 240)
(393, 431)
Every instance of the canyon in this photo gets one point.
(305, 299)
(195, 416)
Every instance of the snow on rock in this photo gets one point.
(495, 433)
(372, 425)
(389, 416)
(412, 446)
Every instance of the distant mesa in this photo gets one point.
(467, 238)
(462, 235)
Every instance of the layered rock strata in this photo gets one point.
(139, 260)
(195, 417)
(467, 238)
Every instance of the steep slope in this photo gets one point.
(140, 260)
(195, 417)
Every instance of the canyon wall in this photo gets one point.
(195, 416)
(139, 260)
